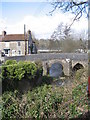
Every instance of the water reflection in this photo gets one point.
(56, 70)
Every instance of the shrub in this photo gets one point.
(40, 67)
(38, 103)
(10, 62)
(10, 105)
(46, 101)
(13, 73)
(78, 74)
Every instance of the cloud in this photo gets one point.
(81, 24)
(42, 26)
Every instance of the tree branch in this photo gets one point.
(81, 3)
(78, 8)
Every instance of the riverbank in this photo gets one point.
(49, 100)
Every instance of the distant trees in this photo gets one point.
(43, 44)
(62, 39)
(58, 33)
(66, 45)
(34, 39)
(62, 32)
(54, 44)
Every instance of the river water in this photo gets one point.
(59, 82)
(56, 70)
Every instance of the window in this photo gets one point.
(7, 51)
(19, 43)
(19, 52)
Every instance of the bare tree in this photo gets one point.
(61, 32)
(58, 33)
(77, 7)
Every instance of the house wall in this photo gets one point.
(15, 50)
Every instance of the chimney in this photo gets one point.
(3, 33)
(29, 32)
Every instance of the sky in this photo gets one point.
(35, 15)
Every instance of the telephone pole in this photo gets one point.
(25, 38)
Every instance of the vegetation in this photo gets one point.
(48, 101)
(63, 45)
(62, 38)
(13, 72)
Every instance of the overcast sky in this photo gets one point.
(35, 15)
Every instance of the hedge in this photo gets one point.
(13, 72)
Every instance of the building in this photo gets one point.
(16, 44)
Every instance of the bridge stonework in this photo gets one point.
(67, 60)
(82, 62)
(66, 65)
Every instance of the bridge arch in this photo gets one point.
(77, 66)
(48, 65)
(56, 69)
(51, 62)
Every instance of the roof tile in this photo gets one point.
(12, 37)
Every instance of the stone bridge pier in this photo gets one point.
(66, 64)
(69, 65)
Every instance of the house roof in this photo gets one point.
(12, 37)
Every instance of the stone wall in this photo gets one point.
(68, 61)
(13, 46)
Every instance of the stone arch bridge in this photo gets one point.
(69, 61)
